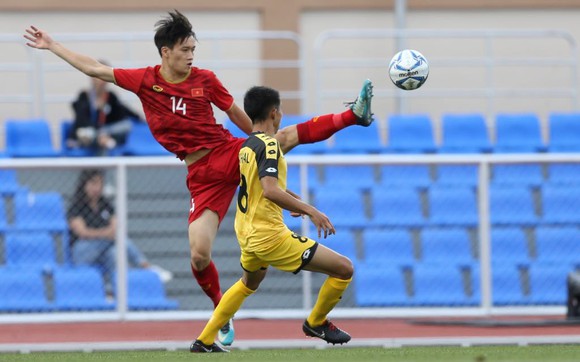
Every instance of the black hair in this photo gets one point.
(173, 29)
(80, 195)
(259, 101)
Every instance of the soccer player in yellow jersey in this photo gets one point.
(264, 238)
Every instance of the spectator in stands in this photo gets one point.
(265, 240)
(101, 120)
(93, 224)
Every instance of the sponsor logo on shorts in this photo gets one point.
(306, 254)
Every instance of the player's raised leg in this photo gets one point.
(323, 127)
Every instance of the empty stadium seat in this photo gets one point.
(450, 246)
(39, 211)
(564, 130)
(518, 174)
(140, 142)
(341, 177)
(560, 205)
(388, 247)
(8, 182)
(22, 290)
(452, 206)
(3, 218)
(507, 285)
(79, 289)
(396, 207)
(564, 173)
(548, 284)
(146, 291)
(440, 285)
(345, 207)
(410, 134)
(464, 133)
(343, 242)
(234, 130)
(518, 133)
(29, 138)
(357, 139)
(378, 285)
(511, 206)
(34, 250)
(558, 245)
(405, 176)
(457, 175)
(313, 178)
(509, 245)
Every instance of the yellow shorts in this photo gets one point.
(290, 253)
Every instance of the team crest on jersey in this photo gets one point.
(197, 92)
(157, 88)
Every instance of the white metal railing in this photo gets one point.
(39, 68)
(487, 63)
(122, 164)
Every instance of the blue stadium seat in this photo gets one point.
(564, 130)
(548, 284)
(316, 148)
(518, 133)
(452, 206)
(417, 176)
(457, 175)
(34, 250)
(234, 130)
(512, 206)
(79, 289)
(22, 290)
(518, 174)
(564, 173)
(396, 207)
(3, 218)
(343, 242)
(558, 245)
(388, 247)
(146, 291)
(140, 142)
(294, 223)
(314, 178)
(440, 285)
(410, 134)
(29, 138)
(509, 245)
(507, 286)
(341, 177)
(292, 119)
(561, 205)
(345, 207)
(464, 133)
(378, 285)
(450, 246)
(8, 182)
(356, 139)
(40, 211)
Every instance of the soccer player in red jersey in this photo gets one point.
(177, 101)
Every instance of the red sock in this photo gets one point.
(322, 127)
(209, 281)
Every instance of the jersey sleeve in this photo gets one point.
(219, 95)
(267, 158)
(129, 79)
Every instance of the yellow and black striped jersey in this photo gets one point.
(259, 221)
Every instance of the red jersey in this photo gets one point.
(180, 115)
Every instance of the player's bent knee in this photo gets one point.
(200, 262)
(346, 269)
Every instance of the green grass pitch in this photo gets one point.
(538, 353)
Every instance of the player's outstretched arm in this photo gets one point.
(286, 201)
(40, 39)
